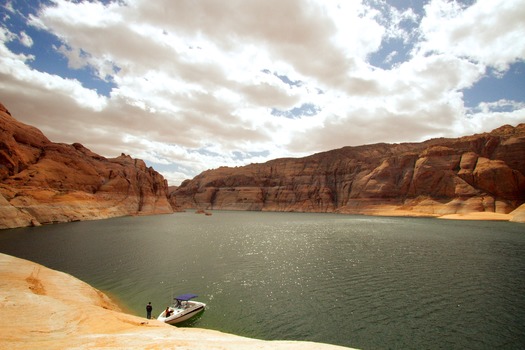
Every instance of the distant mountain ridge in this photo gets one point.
(478, 173)
(43, 182)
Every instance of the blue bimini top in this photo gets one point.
(186, 297)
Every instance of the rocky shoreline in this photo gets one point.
(482, 173)
(47, 309)
(518, 215)
(479, 177)
(43, 182)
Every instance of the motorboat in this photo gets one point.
(183, 308)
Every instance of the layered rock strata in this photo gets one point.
(480, 173)
(44, 182)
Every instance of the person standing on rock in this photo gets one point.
(149, 308)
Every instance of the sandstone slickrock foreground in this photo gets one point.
(478, 177)
(45, 182)
(46, 309)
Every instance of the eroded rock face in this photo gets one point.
(479, 173)
(45, 182)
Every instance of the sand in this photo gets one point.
(486, 216)
(42, 308)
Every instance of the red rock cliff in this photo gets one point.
(45, 182)
(479, 173)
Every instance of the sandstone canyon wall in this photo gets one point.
(44, 182)
(479, 173)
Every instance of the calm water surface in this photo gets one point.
(364, 282)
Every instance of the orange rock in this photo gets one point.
(478, 173)
(44, 182)
(518, 215)
(48, 309)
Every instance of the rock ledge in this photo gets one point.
(46, 309)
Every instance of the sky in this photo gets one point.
(191, 85)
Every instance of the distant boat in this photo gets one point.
(182, 309)
(202, 211)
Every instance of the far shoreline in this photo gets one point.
(470, 216)
(481, 216)
(517, 216)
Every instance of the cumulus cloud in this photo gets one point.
(25, 39)
(193, 85)
(489, 32)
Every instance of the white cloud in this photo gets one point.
(489, 116)
(395, 24)
(9, 6)
(16, 72)
(489, 32)
(498, 106)
(25, 39)
(195, 82)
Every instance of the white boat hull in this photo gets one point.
(182, 312)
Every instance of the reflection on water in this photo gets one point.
(365, 282)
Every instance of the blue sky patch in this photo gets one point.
(44, 48)
(284, 78)
(241, 156)
(494, 86)
(391, 53)
(306, 109)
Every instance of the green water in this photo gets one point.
(358, 281)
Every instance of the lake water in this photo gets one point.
(358, 281)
